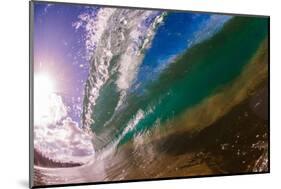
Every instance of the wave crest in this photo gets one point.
(117, 52)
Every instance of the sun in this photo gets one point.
(43, 89)
(48, 106)
(43, 84)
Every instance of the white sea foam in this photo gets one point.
(94, 26)
(141, 38)
(124, 36)
(131, 125)
(110, 148)
(210, 27)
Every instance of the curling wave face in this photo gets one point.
(121, 63)
(117, 55)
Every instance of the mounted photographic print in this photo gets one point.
(121, 94)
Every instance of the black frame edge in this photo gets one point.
(31, 143)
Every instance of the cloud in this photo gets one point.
(62, 139)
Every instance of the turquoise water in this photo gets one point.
(198, 73)
(193, 76)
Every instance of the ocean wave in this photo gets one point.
(118, 51)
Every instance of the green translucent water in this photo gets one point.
(197, 74)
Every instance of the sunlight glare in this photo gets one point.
(48, 106)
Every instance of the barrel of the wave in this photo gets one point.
(193, 76)
(204, 69)
(199, 73)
